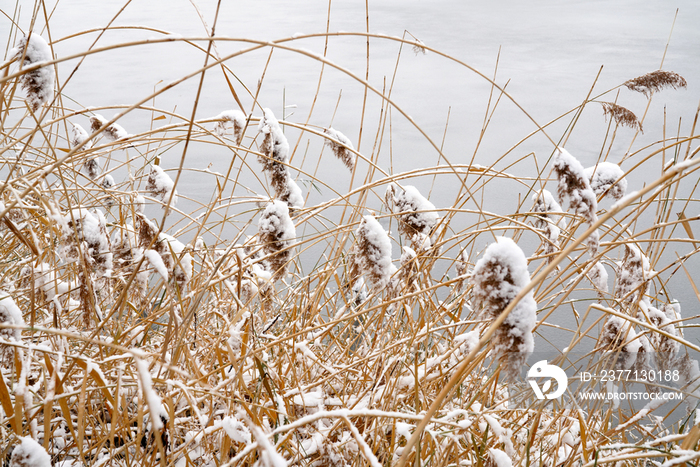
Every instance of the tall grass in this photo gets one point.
(331, 325)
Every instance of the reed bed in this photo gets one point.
(287, 320)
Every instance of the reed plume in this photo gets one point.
(112, 132)
(417, 216)
(547, 220)
(373, 250)
(236, 118)
(656, 81)
(632, 275)
(621, 115)
(341, 146)
(277, 233)
(38, 84)
(574, 186)
(607, 179)
(161, 185)
(497, 278)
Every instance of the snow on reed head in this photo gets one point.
(617, 336)
(12, 315)
(607, 178)
(275, 154)
(274, 147)
(633, 272)
(84, 230)
(417, 216)
(29, 454)
(79, 135)
(656, 81)
(237, 120)
(574, 186)
(38, 84)
(497, 278)
(373, 250)
(341, 146)
(545, 207)
(161, 185)
(277, 233)
(113, 132)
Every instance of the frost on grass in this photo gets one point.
(417, 216)
(574, 186)
(29, 453)
(274, 158)
(277, 233)
(341, 146)
(112, 132)
(607, 178)
(633, 272)
(373, 252)
(231, 119)
(548, 220)
(497, 278)
(38, 84)
(161, 185)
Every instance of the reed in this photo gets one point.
(380, 315)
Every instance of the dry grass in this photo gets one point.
(250, 346)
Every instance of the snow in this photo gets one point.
(545, 205)
(374, 250)
(497, 278)
(275, 144)
(268, 456)
(160, 184)
(113, 132)
(276, 221)
(237, 120)
(416, 213)
(341, 146)
(574, 185)
(236, 430)
(79, 136)
(10, 314)
(500, 458)
(37, 83)
(293, 195)
(156, 261)
(29, 453)
(155, 404)
(603, 177)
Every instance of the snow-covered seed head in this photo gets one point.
(277, 233)
(607, 178)
(497, 278)
(38, 84)
(574, 186)
(30, 454)
(632, 274)
(417, 216)
(341, 146)
(236, 118)
(112, 132)
(161, 185)
(274, 147)
(373, 250)
(79, 135)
